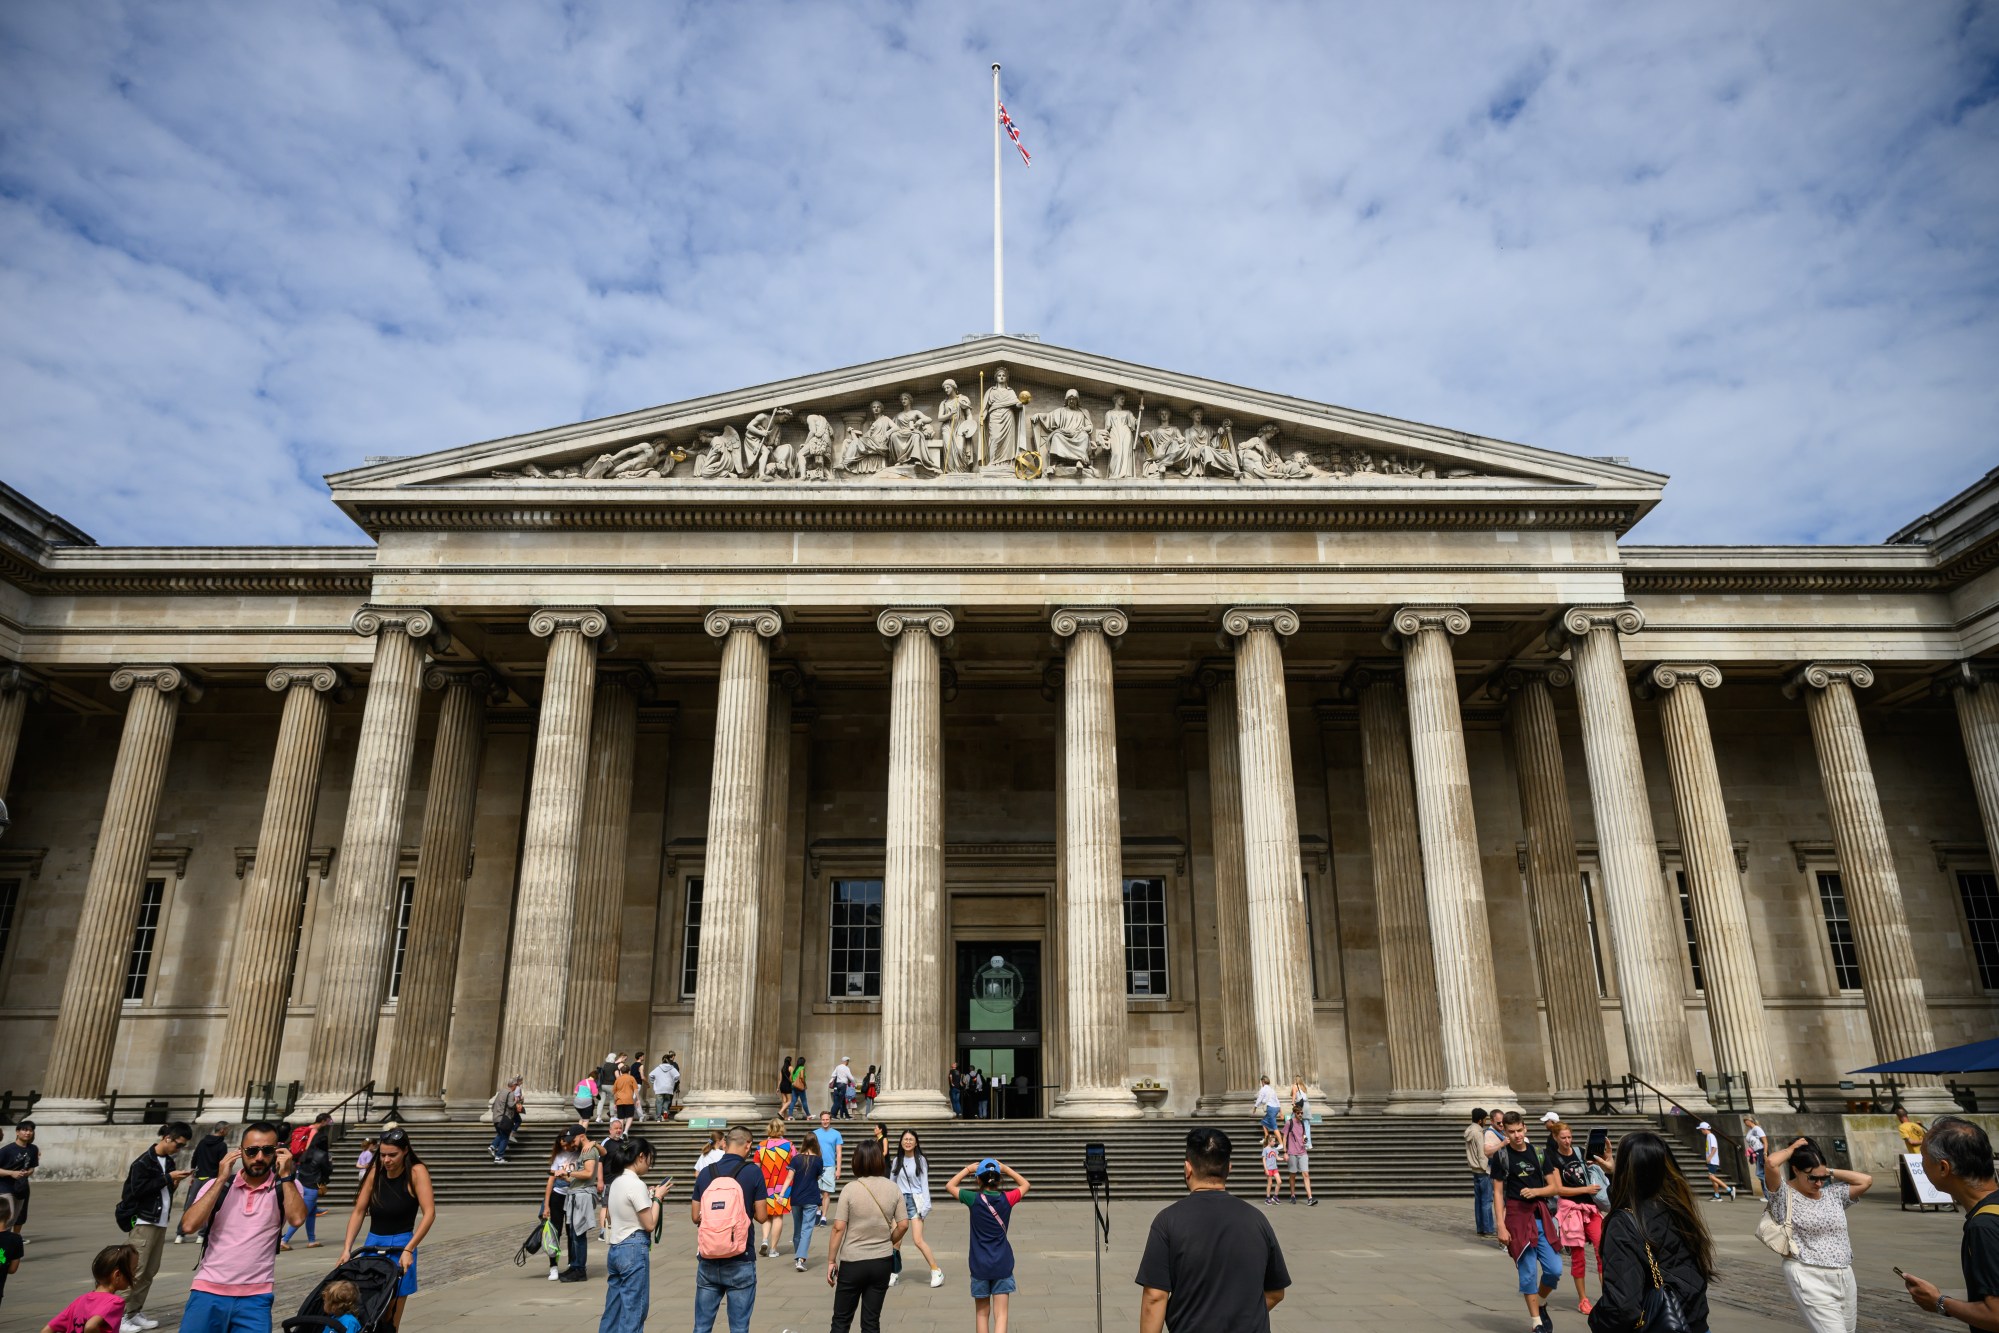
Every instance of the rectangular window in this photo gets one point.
(1979, 889)
(1839, 931)
(1595, 941)
(854, 952)
(144, 931)
(690, 940)
(1145, 938)
(1687, 917)
(405, 895)
(10, 898)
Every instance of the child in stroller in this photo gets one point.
(363, 1289)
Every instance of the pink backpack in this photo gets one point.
(725, 1221)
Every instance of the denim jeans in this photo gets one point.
(803, 1220)
(1481, 1203)
(1539, 1267)
(797, 1106)
(500, 1141)
(714, 1278)
(957, 1102)
(628, 1290)
(311, 1223)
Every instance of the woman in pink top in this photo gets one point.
(102, 1309)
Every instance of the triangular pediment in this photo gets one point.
(1062, 418)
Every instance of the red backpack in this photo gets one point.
(301, 1140)
(724, 1232)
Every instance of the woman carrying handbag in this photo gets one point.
(1657, 1258)
(1805, 1222)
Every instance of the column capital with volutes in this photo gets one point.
(1820, 675)
(899, 620)
(1962, 675)
(17, 679)
(1406, 622)
(1367, 673)
(1238, 621)
(1517, 676)
(1068, 621)
(319, 677)
(1578, 621)
(419, 622)
(157, 676)
(589, 621)
(1661, 677)
(766, 621)
(481, 679)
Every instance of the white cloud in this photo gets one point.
(242, 246)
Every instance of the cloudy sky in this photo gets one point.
(245, 245)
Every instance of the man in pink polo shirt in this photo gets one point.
(231, 1292)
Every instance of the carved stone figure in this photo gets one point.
(1120, 437)
(763, 443)
(1166, 444)
(726, 456)
(959, 427)
(1257, 456)
(1063, 435)
(815, 456)
(915, 437)
(1209, 450)
(531, 470)
(1001, 408)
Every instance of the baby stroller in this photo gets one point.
(375, 1275)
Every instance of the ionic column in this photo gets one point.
(1976, 690)
(1093, 921)
(437, 908)
(1555, 884)
(1714, 887)
(600, 868)
(1643, 916)
(552, 837)
(1898, 1014)
(17, 689)
(1280, 942)
(1232, 943)
(260, 960)
(721, 1070)
(1402, 916)
(1453, 886)
(93, 990)
(361, 907)
(772, 923)
(913, 1029)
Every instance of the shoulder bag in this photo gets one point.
(1775, 1234)
(1661, 1307)
(895, 1251)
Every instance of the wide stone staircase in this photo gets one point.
(1353, 1156)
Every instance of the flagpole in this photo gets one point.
(999, 271)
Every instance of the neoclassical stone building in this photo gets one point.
(1092, 722)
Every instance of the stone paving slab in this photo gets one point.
(1409, 1267)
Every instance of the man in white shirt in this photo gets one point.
(665, 1078)
(1266, 1105)
(843, 1086)
(1711, 1154)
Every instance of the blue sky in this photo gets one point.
(1752, 246)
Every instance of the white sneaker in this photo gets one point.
(894, 1278)
(130, 1326)
(554, 1276)
(936, 1277)
(145, 1321)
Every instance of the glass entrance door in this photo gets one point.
(999, 1024)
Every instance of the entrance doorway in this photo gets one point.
(999, 1023)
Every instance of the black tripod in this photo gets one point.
(1097, 1171)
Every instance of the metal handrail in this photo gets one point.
(1725, 1089)
(8, 1114)
(1882, 1096)
(1966, 1094)
(150, 1102)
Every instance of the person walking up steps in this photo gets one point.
(1211, 1261)
(990, 1250)
(796, 1103)
(1267, 1106)
(505, 1111)
(665, 1082)
(1527, 1228)
(1711, 1155)
(910, 1173)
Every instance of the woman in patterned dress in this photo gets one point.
(774, 1160)
(1813, 1197)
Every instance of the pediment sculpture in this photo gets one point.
(1001, 434)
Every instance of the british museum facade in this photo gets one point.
(1099, 725)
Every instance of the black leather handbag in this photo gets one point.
(1662, 1312)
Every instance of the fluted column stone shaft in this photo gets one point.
(1644, 920)
(437, 907)
(361, 907)
(1898, 1011)
(17, 689)
(551, 842)
(93, 989)
(267, 928)
(1555, 884)
(1402, 916)
(913, 1030)
(1093, 941)
(594, 943)
(1714, 887)
(721, 1074)
(1231, 891)
(1453, 884)
(1280, 941)
(1977, 696)
(785, 679)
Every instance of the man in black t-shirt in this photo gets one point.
(1957, 1157)
(18, 1161)
(1211, 1260)
(1523, 1186)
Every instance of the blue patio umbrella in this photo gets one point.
(1976, 1057)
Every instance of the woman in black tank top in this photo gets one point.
(396, 1198)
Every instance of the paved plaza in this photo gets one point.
(1369, 1267)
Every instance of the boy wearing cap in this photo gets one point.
(1711, 1153)
(991, 1253)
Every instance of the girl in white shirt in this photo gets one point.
(910, 1171)
(634, 1212)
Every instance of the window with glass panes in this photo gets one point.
(145, 930)
(1595, 942)
(1145, 938)
(1687, 918)
(690, 940)
(854, 940)
(1980, 891)
(1839, 931)
(10, 899)
(405, 897)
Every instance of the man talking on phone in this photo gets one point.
(1957, 1157)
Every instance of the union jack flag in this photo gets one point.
(1013, 133)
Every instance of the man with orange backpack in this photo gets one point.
(728, 1198)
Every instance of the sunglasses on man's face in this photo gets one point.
(262, 1150)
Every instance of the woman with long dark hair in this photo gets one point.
(396, 1199)
(1654, 1228)
(634, 1212)
(1813, 1198)
(910, 1170)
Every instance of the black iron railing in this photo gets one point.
(1726, 1091)
(14, 1106)
(154, 1108)
(1970, 1095)
(1873, 1097)
(270, 1101)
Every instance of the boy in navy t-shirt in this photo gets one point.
(991, 1258)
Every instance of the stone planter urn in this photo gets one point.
(1151, 1098)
